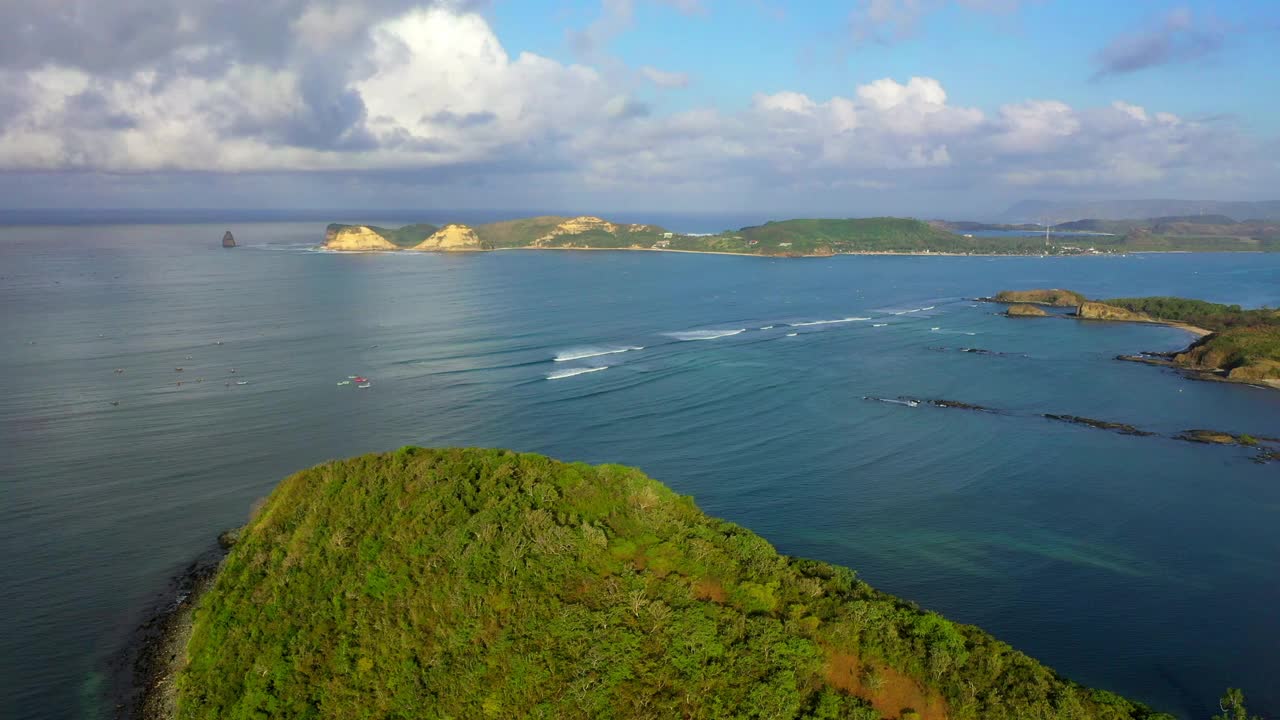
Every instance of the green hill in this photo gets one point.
(517, 233)
(882, 234)
(469, 583)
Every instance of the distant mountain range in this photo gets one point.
(1038, 211)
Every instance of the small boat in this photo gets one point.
(352, 377)
(364, 385)
(345, 382)
(242, 382)
(360, 380)
(177, 369)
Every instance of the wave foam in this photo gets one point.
(878, 324)
(703, 334)
(829, 322)
(574, 371)
(590, 352)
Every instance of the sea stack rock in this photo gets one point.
(228, 240)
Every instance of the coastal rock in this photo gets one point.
(355, 238)
(228, 240)
(1024, 310)
(1103, 311)
(451, 238)
(1210, 437)
(1053, 297)
(957, 405)
(1121, 428)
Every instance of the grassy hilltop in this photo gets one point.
(469, 583)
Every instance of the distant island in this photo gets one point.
(1185, 233)
(1235, 344)
(814, 237)
(474, 583)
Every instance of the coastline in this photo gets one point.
(144, 669)
(789, 256)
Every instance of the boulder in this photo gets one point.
(1022, 310)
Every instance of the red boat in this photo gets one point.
(360, 380)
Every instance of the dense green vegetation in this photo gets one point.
(470, 583)
(1233, 708)
(1211, 316)
(882, 234)
(406, 236)
(517, 233)
(1245, 353)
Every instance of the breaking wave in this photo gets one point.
(590, 352)
(829, 322)
(703, 334)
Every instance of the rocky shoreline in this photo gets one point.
(143, 671)
(1023, 304)
(1267, 448)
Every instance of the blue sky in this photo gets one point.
(1017, 51)
(920, 107)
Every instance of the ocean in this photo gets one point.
(1142, 565)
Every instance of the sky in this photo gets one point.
(861, 107)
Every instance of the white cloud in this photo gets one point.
(434, 94)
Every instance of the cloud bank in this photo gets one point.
(429, 95)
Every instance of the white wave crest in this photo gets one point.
(589, 352)
(829, 322)
(878, 324)
(703, 334)
(792, 334)
(574, 371)
(767, 327)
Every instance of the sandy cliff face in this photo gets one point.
(1102, 311)
(451, 238)
(581, 224)
(357, 237)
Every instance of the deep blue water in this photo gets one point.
(1141, 565)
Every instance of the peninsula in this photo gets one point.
(475, 583)
(786, 238)
(826, 237)
(1234, 344)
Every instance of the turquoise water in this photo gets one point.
(1142, 565)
